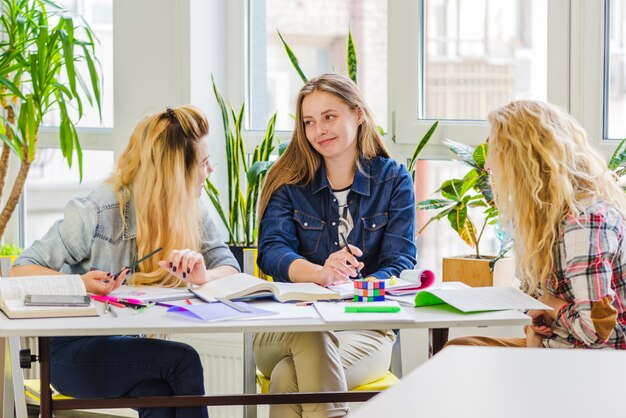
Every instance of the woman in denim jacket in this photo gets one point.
(334, 180)
(151, 201)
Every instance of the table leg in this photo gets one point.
(45, 394)
(437, 338)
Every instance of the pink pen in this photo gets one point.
(101, 298)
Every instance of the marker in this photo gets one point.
(371, 309)
(358, 272)
(188, 302)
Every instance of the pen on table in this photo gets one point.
(358, 272)
(371, 309)
(108, 308)
(107, 299)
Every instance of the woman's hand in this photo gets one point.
(533, 339)
(542, 322)
(102, 282)
(340, 266)
(187, 265)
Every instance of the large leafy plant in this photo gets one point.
(458, 196)
(41, 49)
(618, 159)
(245, 178)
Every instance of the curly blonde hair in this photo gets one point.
(544, 168)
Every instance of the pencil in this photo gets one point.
(358, 272)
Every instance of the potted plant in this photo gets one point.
(41, 49)
(458, 197)
(245, 178)
(8, 254)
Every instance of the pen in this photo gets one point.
(107, 299)
(136, 263)
(358, 272)
(108, 308)
(371, 309)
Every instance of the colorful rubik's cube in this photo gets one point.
(369, 291)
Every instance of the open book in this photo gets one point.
(478, 299)
(13, 290)
(243, 285)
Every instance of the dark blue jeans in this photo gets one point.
(116, 366)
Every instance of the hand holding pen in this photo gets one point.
(340, 267)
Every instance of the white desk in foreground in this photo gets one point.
(495, 382)
(156, 320)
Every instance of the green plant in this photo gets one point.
(616, 163)
(459, 195)
(240, 214)
(10, 250)
(40, 48)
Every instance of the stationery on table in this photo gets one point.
(362, 311)
(359, 276)
(242, 285)
(409, 282)
(146, 294)
(219, 311)
(14, 289)
(479, 299)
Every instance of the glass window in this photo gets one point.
(317, 32)
(51, 184)
(481, 54)
(99, 16)
(616, 94)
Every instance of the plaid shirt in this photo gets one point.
(590, 264)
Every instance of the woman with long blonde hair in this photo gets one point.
(150, 201)
(335, 186)
(566, 213)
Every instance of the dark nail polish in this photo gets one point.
(108, 274)
(174, 268)
(188, 270)
(171, 265)
(184, 275)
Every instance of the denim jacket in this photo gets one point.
(302, 221)
(91, 236)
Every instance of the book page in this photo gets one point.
(231, 287)
(302, 292)
(476, 299)
(17, 287)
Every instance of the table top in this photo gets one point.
(506, 382)
(290, 318)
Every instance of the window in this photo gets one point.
(615, 123)
(99, 16)
(481, 54)
(317, 32)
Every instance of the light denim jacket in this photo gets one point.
(91, 236)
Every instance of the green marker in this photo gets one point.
(372, 309)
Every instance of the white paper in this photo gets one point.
(335, 312)
(477, 299)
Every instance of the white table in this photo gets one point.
(156, 320)
(494, 382)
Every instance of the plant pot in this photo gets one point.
(246, 257)
(475, 272)
(6, 261)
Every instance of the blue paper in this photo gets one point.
(217, 311)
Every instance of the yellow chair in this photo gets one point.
(31, 389)
(383, 383)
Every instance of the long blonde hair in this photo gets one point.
(544, 168)
(158, 169)
(300, 162)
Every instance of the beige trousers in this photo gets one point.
(321, 362)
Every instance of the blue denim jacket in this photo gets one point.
(91, 236)
(302, 222)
